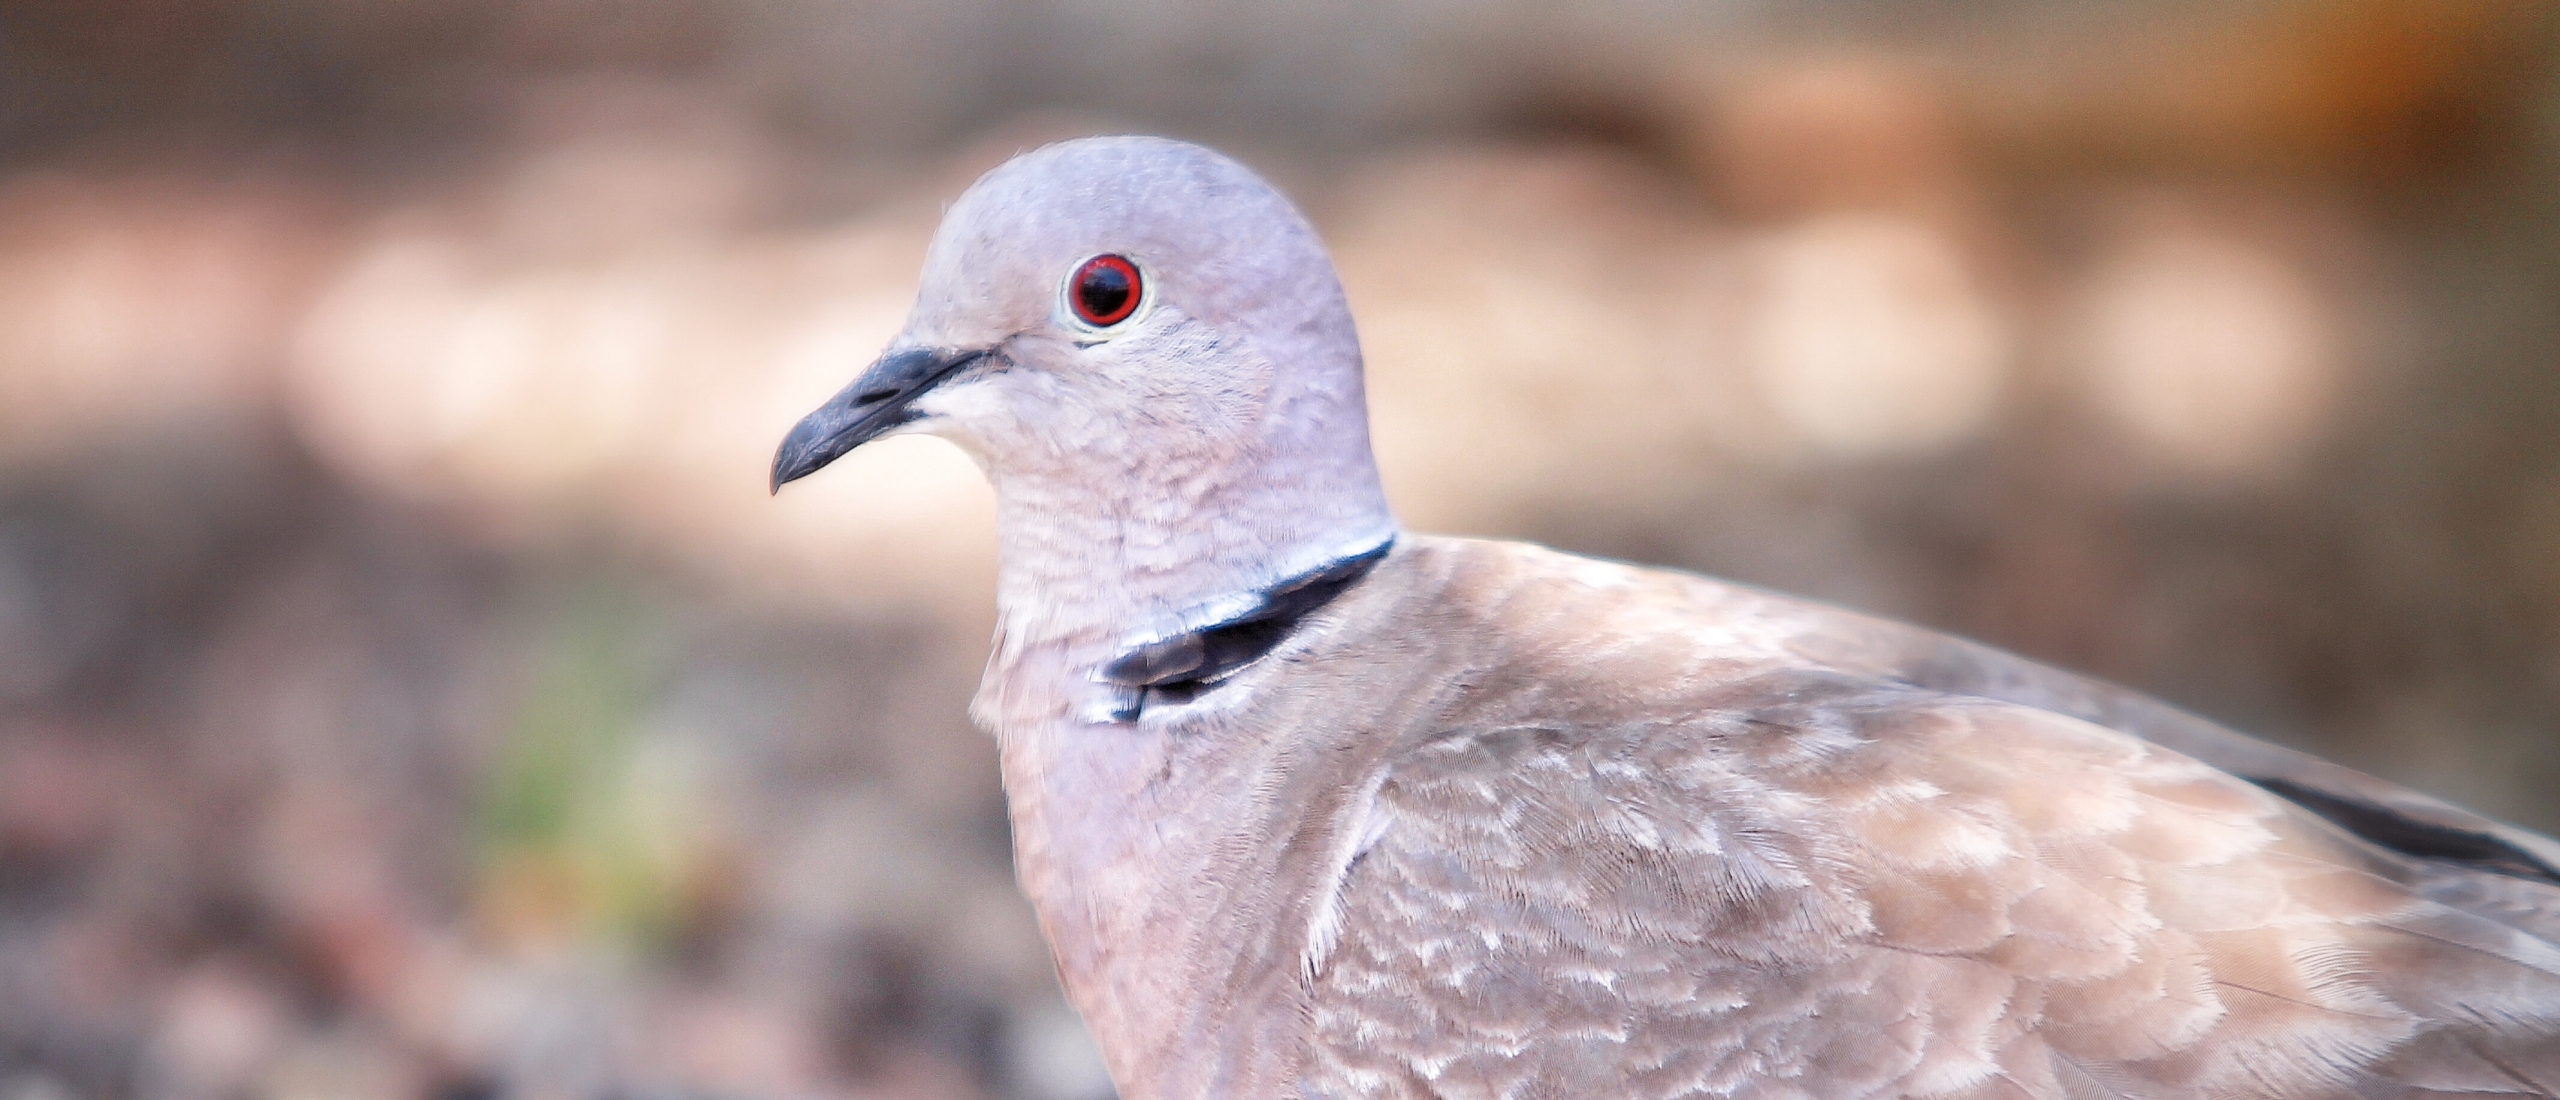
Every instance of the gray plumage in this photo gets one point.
(1495, 821)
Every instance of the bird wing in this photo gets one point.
(1612, 862)
(2471, 861)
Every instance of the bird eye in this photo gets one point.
(1104, 291)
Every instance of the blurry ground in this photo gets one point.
(408, 690)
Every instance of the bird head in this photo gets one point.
(1103, 305)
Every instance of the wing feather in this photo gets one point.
(1977, 899)
(1699, 841)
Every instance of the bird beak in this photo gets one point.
(873, 404)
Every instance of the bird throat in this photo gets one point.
(1178, 668)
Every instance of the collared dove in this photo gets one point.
(1312, 807)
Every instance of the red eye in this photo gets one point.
(1104, 290)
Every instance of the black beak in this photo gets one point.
(874, 403)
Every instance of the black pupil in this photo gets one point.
(1103, 291)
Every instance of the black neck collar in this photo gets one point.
(1182, 666)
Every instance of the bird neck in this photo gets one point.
(1102, 553)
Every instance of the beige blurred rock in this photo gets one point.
(338, 1065)
(911, 1074)
(431, 370)
(727, 1045)
(642, 394)
(2218, 357)
(596, 338)
(132, 308)
(558, 1023)
(862, 861)
(1871, 336)
(427, 1009)
(221, 1028)
(1540, 321)
(60, 790)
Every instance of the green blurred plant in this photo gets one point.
(591, 830)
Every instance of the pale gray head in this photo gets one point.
(1146, 348)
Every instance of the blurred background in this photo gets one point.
(408, 690)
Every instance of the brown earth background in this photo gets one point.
(408, 690)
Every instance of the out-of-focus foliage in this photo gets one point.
(407, 688)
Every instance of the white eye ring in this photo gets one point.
(1105, 293)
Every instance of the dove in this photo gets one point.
(1311, 806)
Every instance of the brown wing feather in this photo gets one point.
(1890, 894)
(2384, 813)
(1824, 880)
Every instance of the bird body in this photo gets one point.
(1312, 807)
(1593, 823)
